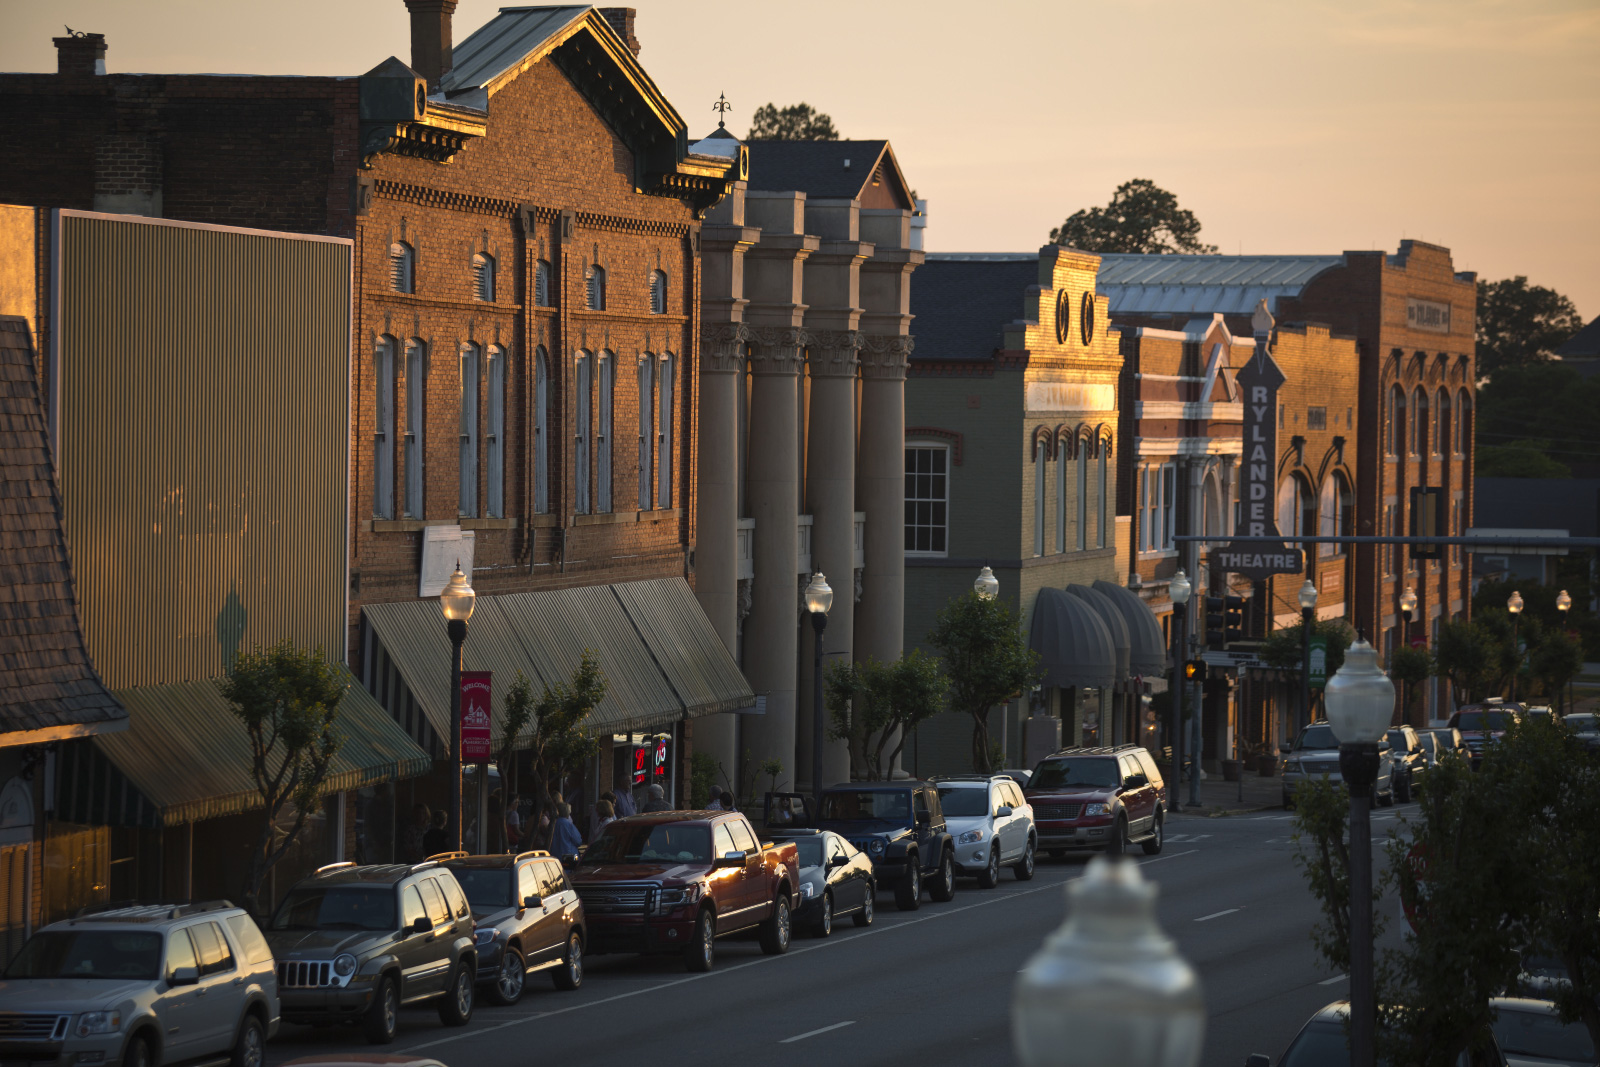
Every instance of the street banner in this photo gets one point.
(475, 690)
(1317, 670)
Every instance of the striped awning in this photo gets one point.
(661, 659)
(1075, 647)
(1116, 625)
(1147, 650)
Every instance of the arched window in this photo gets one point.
(595, 288)
(1039, 460)
(647, 434)
(1297, 507)
(1419, 423)
(416, 395)
(541, 431)
(1441, 424)
(1463, 422)
(1083, 496)
(483, 277)
(658, 293)
(1336, 512)
(1396, 442)
(1102, 501)
(1061, 497)
(467, 504)
(402, 268)
(666, 383)
(541, 285)
(495, 446)
(580, 435)
(383, 373)
(602, 437)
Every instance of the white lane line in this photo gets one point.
(1201, 837)
(1335, 980)
(814, 1033)
(1216, 915)
(1168, 856)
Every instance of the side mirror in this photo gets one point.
(422, 925)
(735, 858)
(1136, 781)
(1283, 748)
(532, 900)
(924, 818)
(184, 976)
(1005, 809)
(1258, 1060)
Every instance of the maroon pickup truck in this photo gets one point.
(675, 881)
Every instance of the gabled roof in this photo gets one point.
(1585, 344)
(1203, 285)
(509, 44)
(961, 303)
(833, 170)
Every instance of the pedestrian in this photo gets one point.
(728, 803)
(625, 804)
(514, 824)
(435, 840)
(605, 814)
(658, 800)
(412, 849)
(565, 840)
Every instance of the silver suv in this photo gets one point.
(141, 986)
(991, 823)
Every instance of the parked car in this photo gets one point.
(527, 918)
(1483, 724)
(1315, 754)
(142, 986)
(1407, 761)
(1532, 708)
(675, 881)
(1585, 726)
(835, 879)
(1447, 743)
(354, 943)
(1106, 799)
(1323, 1042)
(901, 827)
(1530, 1033)
(1018, 775)
(992, 823)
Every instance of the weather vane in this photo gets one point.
(721, 107)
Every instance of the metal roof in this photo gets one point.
(504, 42)
(1204, 285)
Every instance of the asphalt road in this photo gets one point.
(929, 988)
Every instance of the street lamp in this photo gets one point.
(1178, 589)
(1360, 700)
(1564, 605)
(1108, 987)
(1514, 605)
(456, 602)
(819, 601)
(1408, 611)
(986, 585)
(1308, 616)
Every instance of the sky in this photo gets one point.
(1308, 127)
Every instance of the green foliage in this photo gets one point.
(561, 743)
(771, 768)
(986, 659)
(1281, 648)
(1554, 662)
(1518, 459)
(288, 701)
(702, 776)
(1142, 217)
(1322, 852)
(1519, 324)
(872, 704)
(1545, 407)
(1539, 609)
(1466, 653)
(798, 122)
(1411, 666)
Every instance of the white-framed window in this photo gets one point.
(1061, 500)
(1082, 489)
(927, 499)
(666, 384)
(1102, 499)
(647, 433)
(594, 281)
(483, 277)
(1169, 505)
(383, 373)
(541, 285)
(602, 437)
(467, 504)
(402, 268)
(541, 431)
(1335, 512)
(1297, 507)
(416, 396)
(495, 446)
(1039, 483)
(658, 293)
(580, 434)
(1158, 494)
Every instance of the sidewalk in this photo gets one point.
(1218, 797)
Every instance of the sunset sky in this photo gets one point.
(1306, 127)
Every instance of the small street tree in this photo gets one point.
(797, 122)
(561, 743)
(873, 704)
(1142, 217)
(288, 701)
(1410, 667)
(1466, 654)
(987, 661)
(1282, 649)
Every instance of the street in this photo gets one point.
(930, 987)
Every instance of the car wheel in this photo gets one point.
(944, 888)
(1025, 866)
(512, 976)
(702, 949)
(989, 877)
(569, 975)
(138, 1052)
(250, 1046)
(1158, 837)
(908, 892)
(1386, 799)
(775, 931)
(384, 1015)
(824, 924)
(456, 1007)
(1118, 845)
(864, 916)
(1405, 789)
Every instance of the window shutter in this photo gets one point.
(664, 428)
(647, 440)
(541, 284)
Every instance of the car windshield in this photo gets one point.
(1480, 720)
(1087, 771)
(316, 907)
(858, 806)
(810, 851)
(1317, 737)
(964, 800)
(1397, 738)
(486, 887)
(89, 954)
(662, 843)
(1582, 723)
(1537, 1033)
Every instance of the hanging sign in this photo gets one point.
(1317, 665)
(475, 744)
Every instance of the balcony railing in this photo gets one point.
(802, 543)
(745, 549)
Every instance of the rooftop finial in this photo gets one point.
(721, 107)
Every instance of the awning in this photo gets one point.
(1074, 646)
(661, 658)
(1147, 651)
(1116, 625)
(188, 755)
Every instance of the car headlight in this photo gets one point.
(1097, 809)
(877, 847)
(971, 837)
(344, 965)
(807, 890)
(667, 899)
(1293, 766)
(98, 1022)
(484, 935)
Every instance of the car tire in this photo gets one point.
(249, 1048)
(1028, 863)
(944, 888)
(775, 930)
(908, 891)
(510, 979)
(1404, 789)
(1158, 837)
(569, 975)
(137, 1054)
(868, 907)
(989, 877)
(701, 952)
(824, 924)
(455, 1007)
(1386, 800)
(1118, 845)
(382, 1018)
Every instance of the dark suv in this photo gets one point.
(354, 943)
(528, 917)
(1098, 798)
(1482, 725)
(901, 828)
(1407, 759)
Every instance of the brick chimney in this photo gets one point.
(621, 19)
(81, 54)
(430, 38)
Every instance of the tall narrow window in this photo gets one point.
(1441, 423)
(467, 505)
(580, 436)
(383, 429)
(1038, 497)
(1419, 423)
(647, 431)
(602, 438)
(402, 268)
(1463, 425)
(1082, 489)
(595, 288)
(416, 394)
(541, 284)
(667, 382)
(1397, 422)
(541, 431)
(483, 277)
(927, 500)
(495, 446)
(1101, 500)
(1061, 498)
(1169, 499)
(658, 293)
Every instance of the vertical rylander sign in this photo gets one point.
(1260, 380)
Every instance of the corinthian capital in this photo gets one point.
(777, 349)
(885, 356)
(832, 353)
(722, 346)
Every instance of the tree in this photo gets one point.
(1519, 324)
(798, 122)
(986, 659)
(1474, 656)
(560, 744)
(288, 700)
(1142, 217)
(1518, 459)
(1281, 648)
(1410, 667)
(874, 703)
(1555, 661)
(1549, 399)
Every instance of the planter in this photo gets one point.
(1232, 769)
(1267, 766)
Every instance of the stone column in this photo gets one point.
(880, 492)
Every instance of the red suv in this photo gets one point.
(1104, 799)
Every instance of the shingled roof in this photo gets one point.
(962, 303)
(48, 687)
(831, 170)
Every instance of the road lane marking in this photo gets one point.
(1335, 980)
(1216, 915)
(814, 1033)
(1168, 856)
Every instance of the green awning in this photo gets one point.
(188, 754)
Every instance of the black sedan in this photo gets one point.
(835, 880)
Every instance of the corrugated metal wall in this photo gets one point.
(202, 442)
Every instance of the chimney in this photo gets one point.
(430, 38)
(81, 54)
(621, 19)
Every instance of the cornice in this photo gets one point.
(451, 200)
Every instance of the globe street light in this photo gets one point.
(1408, 611)
(819, 601)
(1564, 605)
(1108, 987)
(1308, 616)
(456, 602)
(987, 586)
(1514, 605)
(1360, 700)
(1178, 589)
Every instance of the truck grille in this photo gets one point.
(304, 974)
(630, 899)
(36, 1026)
(1324, 767)
(1056, 811)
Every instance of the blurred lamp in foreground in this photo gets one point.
(1178, 589)
(1408, 602)
(1514, 603)
(1360, 697)
(1308, 596)
(987, 586)
(1563, 602)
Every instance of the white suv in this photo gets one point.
(140, 987)
(992, 825)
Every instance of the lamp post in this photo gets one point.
(1408, 611)
(1308, 617)
(986, 585)
(1178, 589)
(1564, 605)
(1360, 700)
(1108, 987)
(819, 601)
(1514, 605)
(456, 602)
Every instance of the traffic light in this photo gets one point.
(1194, 670)
(1224, 620)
